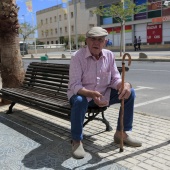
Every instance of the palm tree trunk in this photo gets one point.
(12, 71)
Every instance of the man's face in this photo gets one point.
(95, 45)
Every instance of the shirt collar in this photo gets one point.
(88, 54)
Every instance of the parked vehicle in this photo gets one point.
(23, 48)
(166, 3)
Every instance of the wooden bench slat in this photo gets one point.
(35, 97)
(47, 79)
(63, 89)
(50, 84)
(62, 95)
(46, 75)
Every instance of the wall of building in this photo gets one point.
(142, 23)
(166, 32)
(96, 3)
(85, 19)
(139, 23)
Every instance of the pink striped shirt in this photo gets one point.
(87, 72)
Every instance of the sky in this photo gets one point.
(25, 16)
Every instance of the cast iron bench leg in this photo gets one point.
(10, 108)
(93, 117)
(104, 120)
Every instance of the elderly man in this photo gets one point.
(95, 80)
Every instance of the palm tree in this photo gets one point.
(12, 71)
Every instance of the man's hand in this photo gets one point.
(126, 92)
(95, 95)
(99, 99)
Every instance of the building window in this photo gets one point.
(41, 22)
(42, 33)
(91, 25)
(56, 42)
(47, 42)
(91, 13)
(65, 16)
(56, 30)
(51, 31)
(61, 30)
(51, 42)
(55, 19)
(59, 17)
(72, 28)
(50, 20)
(46, 33)
(65, 29)
(72, 15)
(46, 21)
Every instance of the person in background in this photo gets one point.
(94, 80)
(139, 43)
(135, 43)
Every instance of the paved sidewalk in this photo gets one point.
(30, 139)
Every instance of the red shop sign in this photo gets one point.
(154, 33)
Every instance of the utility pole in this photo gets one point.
(46, 34)
(58, 24)
(123, 22)
(34, 33)
(75, 17)
(68, 17)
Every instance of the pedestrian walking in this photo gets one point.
(139, 43)
(135, 43)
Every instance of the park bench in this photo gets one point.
(45, 88)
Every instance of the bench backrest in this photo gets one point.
(48, 77)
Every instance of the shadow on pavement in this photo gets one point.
(36, 148)
(38, 144)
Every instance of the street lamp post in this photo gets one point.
(68, 17)
(75, 16)
(58, 24)
(46, 34)
(34, 38)
(123, 38)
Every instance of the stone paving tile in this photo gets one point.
(152, 131)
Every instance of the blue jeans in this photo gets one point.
(79, 107)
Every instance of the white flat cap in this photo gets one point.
(96, 32)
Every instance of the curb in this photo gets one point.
(117, 59)
(151, 60)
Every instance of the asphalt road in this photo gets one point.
(151, 80)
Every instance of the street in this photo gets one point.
(151, 82)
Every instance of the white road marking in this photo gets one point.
(151, 70)
(142, 87)
(152, 101)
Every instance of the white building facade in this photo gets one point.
(54, 24)
(152, 24)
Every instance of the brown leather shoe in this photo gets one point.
(129, 141)
(78, 150)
